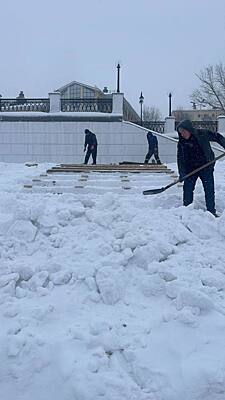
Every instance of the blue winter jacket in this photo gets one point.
(152, 140)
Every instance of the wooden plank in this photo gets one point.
(52, 171)
(110, 166)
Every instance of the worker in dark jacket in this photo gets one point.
(152, 148)
(193, 151)
(91, 144)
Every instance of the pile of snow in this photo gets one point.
(110, 297)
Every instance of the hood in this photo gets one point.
(185, 124)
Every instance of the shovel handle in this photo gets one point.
(202, 167)
(156, 191)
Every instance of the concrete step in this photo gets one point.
(91, 180)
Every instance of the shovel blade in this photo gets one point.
(153, 191)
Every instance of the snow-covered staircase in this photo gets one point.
(99, 179)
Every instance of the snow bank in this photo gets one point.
(110, 297)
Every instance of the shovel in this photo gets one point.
(160, 190)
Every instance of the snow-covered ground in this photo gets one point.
(115, 297)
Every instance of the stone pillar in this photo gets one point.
(221, 124)
(169, 125)
(55, 102)
(117, 103)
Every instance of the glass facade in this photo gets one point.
(75, 91)
(71, 92)
(87, 93)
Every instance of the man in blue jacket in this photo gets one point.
(193, 151)
(91, 144)
(152, 148)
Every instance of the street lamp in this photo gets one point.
(170, 102)
(141, 100)
(118, 78)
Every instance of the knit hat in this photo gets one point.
(185, 124)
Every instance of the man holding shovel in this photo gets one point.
(193, 152)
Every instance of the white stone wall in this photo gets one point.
(221, 124)
(63, 141)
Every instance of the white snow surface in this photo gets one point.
(115, 297)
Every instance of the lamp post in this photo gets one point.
(141, 100)
(170, 102)
(118, 78)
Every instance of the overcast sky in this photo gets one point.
(161, 44)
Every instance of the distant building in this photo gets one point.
(197, 115)
(76, 90)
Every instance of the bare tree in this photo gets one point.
(212, 87)
(151, 114)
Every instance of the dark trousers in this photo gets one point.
(152, 151)
(92, 152)
(207, 178)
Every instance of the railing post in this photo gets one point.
(169, 124)
(55, 102)
(221, 124)
(117, 103)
